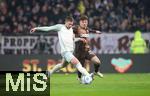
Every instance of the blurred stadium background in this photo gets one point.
(118, 20)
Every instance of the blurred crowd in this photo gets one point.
(19, 16)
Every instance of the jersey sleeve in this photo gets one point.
(94, 31)
(75, 29)
(56, 27)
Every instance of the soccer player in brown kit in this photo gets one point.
(82, 46)
(66, 41)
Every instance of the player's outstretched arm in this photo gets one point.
(98, 32)
(95, 31)
(56, 27)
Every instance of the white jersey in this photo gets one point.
(66, 39)
(65, 36)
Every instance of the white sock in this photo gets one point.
(55, 68)
(82, 69)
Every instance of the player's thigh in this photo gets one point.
(69, 57)
(93, 58)
(81, 59)
(65, 63)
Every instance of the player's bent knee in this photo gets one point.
(74, 60)
(97, 61)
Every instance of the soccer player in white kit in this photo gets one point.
(66, 41)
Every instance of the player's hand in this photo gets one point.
(98, 32)
(83, 40)
(32, 30)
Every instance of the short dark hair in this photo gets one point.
(69, 18)
(83, 17)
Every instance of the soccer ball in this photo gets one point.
(86, 79)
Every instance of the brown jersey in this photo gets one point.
(82, 33)
(81, 48)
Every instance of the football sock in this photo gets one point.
(79, 74)
(57, 67)
(96, 67)
(81, 69)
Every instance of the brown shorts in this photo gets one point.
(84, 55)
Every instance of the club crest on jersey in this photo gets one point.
(121, 65)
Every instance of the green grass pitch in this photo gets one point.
(111, 85)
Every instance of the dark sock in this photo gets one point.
(96, 66)
(79, 74)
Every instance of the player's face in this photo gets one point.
(69, 24)
(83, 23)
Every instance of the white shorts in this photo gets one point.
(68, 56)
